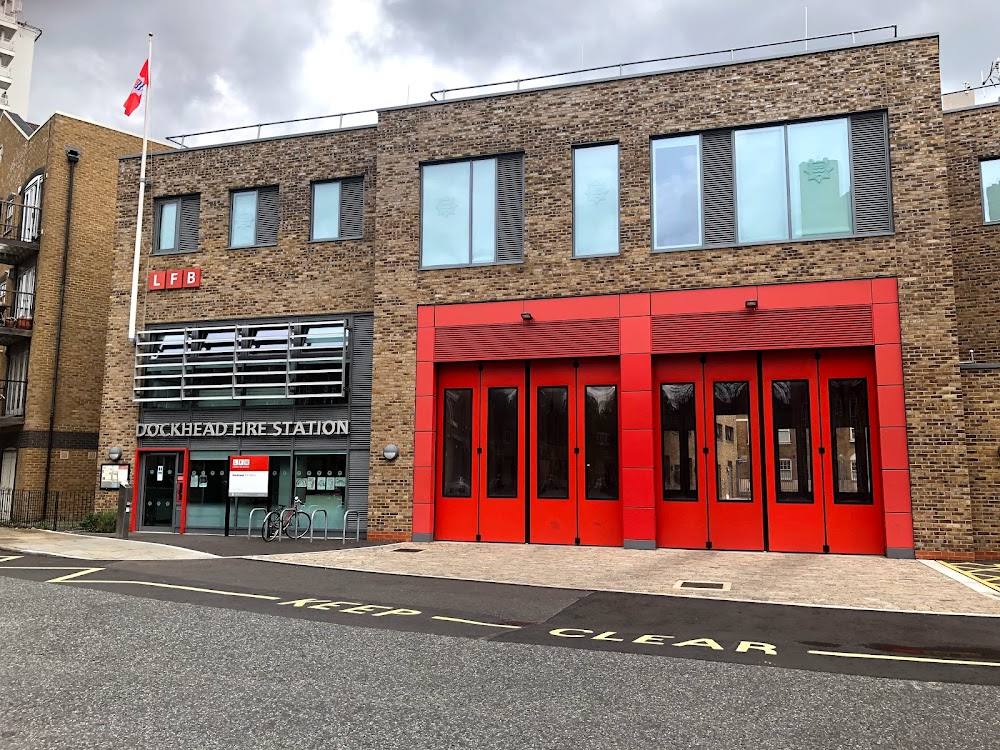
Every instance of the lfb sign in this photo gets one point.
(185, 278)
(248, 476)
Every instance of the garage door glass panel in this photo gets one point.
(851, 442)
(792, 436)
(601, 441)
(553, 443)
(502, 434)
(457, 453)
(680, 447)
(733, 464)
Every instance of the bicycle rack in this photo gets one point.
(312, 523)
(357, 527)
(250, 519)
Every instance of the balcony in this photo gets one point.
(7, 46)
(15, 393)
(6, 75)
(20, 230)
(17, 317)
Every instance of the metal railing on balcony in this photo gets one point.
(19, 221)
(15, 393)
(17, 310)
(6, 45)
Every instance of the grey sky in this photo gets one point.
(227, 62)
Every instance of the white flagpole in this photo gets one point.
(134, 300)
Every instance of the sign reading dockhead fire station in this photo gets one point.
(318, 427)
(248, 476)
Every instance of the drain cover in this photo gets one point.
(708, 585)
(407, 549)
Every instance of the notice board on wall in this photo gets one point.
(248, 476)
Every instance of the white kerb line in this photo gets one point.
(134, 299)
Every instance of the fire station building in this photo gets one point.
(751, 305)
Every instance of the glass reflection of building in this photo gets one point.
(825, 209)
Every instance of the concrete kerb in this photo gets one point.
(87, 549)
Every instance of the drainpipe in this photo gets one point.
(72, 156)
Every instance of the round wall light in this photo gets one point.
(390, 452)
(114, 453)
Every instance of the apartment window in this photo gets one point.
(784, 436)
(823, 178)
(989, 174)
(595, 200)
(472, 212)
(730, 434)
(176, 223)
(785, 469)
(254, 217)
(338, 209)
(16, 387)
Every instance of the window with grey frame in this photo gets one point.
(792, 181)
(989, 179)
(176, 223)
(472, 212)
(338, 208)
(253, 217)
(595, 200)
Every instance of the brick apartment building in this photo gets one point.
(725, 307)
(54, 291)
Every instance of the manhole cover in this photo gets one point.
(407, 549)
(703, 585)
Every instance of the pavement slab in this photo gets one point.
(83, 547)
(864, 582)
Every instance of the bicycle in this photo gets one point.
(290, 521)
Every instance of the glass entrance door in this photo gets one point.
(159, 490)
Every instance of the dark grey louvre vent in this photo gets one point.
(510, 208)
(719, 210)
(870, 166)
(267, 216)
(190, 218)
(352, 208)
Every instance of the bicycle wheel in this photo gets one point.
(271, 527)
(297, 525)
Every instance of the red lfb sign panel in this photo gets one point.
(248, 463)
(184, 278)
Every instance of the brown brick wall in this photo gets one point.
(902, 78)
(295, 277)
(982, 425)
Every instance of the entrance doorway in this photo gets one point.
(160, 492)
(8, 469)
(771, 451)
(529, 452)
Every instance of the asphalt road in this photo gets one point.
(89, 668)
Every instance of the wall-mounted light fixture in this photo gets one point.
(751, 304)
(526, 316)
(390, 452)
(114, 453)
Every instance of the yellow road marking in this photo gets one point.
(476, 622)
(79, 572)
(922, 659)
(178, 587)
(975, 572)
(9, 558)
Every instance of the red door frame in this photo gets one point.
(181, 479)
(852, 529)
(681, 522)
(501, 519)
(734, 525)
(600, 521)
(553, 520)
(457, 518)
(794, 526)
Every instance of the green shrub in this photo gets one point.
(102, 522)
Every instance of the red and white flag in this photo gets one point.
(135, 98)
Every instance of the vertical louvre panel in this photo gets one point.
(718, 193)
(267, 216)
(870, 167)
(352, 208)
(187, 242)
(510, 208)
(360, 389)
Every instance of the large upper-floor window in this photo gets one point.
(338, 208)
(823, 178)
(254, 217)
(989, 176)
(595, 200)
(472, 212)
(175, 224)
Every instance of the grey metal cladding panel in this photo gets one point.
(267, 216)
(158, 442)
(510, 208)
(352, 208)
(719, 198)
(170, 415)
(214, 444)
(321, 443)
(362, 336)
(190, 221)
(264, 414)
(357, 480)
(321, 413)
(871, 191)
